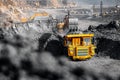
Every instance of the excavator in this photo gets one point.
(79, 45)
(35, 16)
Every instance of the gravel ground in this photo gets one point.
(101, 65)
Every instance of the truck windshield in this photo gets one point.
(76, 41)
(69, 42)
(87, 41)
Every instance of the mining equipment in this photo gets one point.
(68, 24)
(35, 16)
(79, 45)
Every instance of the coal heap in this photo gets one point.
(107, 39)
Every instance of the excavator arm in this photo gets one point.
(44, 14)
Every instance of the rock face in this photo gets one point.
(12, 9)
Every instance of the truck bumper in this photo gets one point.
(82, 57)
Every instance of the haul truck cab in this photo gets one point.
(80, 46)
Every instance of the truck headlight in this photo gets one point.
(72, 52)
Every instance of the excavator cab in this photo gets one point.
(80, 46)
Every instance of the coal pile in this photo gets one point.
(107, 39)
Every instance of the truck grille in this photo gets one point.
(82, 52)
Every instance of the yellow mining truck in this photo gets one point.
(80, 46)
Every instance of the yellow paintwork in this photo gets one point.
(33, 16)
(78, 48)
(24, 20)
(79, 35)
(39, 14)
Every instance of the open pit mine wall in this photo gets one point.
(55, 3)
(11, 10)
(40, 3)
(33, 2)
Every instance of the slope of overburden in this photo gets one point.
(12, 10)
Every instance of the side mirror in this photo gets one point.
(93, 40)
